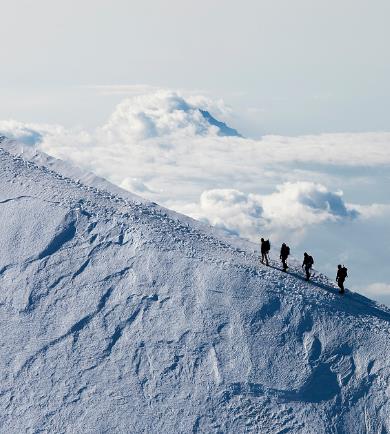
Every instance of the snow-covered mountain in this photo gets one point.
(120, 316)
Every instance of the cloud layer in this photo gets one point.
(293, 207)
(158, 114)
(158, 144)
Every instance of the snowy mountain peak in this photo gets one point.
(120, 316)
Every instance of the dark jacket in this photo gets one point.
(307, 261)
(284, 251)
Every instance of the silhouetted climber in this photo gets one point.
(265, 248)
(308, 262)
(284, 252)
(342, 274)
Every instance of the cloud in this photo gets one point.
(378, 288)
(232, 210)
(157, 143)
(152, 119)
(296, 205)
(293, 207)
(32, 134)
(134, 185)
(29, 134)
(372, 211)
(158, 114)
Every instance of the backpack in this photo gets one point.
(285, 251)
(267, 245)
(310, 261)
(343, 272)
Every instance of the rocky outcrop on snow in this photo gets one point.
(119, 316)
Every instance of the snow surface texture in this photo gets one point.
(120, 316)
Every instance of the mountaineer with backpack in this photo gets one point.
(308, 262)
(342, 274)
(284, 252)
(265, 248)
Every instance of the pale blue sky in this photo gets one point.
(287, 67)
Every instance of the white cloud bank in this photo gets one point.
(158, 144)
(172, 120)
(293, 207)
(157, 114)
(299, 204)
(232, 210)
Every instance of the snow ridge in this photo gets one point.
(120, 316)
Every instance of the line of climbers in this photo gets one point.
(308, 262)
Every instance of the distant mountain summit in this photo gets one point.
(120, 316)
(224, 130)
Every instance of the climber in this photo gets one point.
(307, 263)
(284, 252)
(342, 273)
(265, 248)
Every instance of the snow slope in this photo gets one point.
(119, 316)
